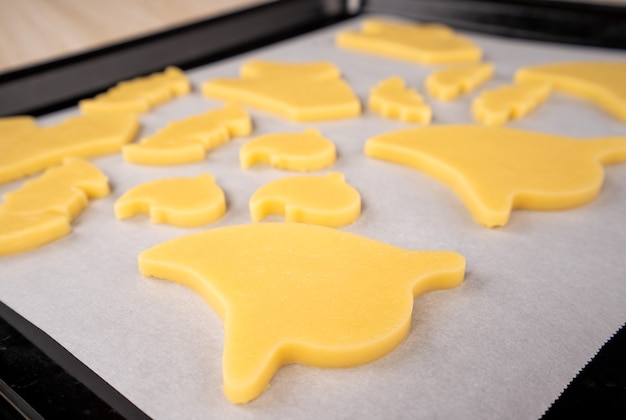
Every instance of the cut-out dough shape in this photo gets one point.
(495, 169)
(497, 106)
(318, 70)
(392, 99)
(26, 148)
(322, 200)
(42, 209)
(423, 44)
(306, 151)
(448, 84)
(185, 202)
(294, 293)
(298, 92)
(188, 140)
(139, 95)
(602, 83)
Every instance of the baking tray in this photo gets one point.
(548, 321)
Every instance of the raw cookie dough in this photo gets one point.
(601, 82)
(497, 106)
(188, 140)
(319, 70)
(392, 99)
(298, 92)
(41, 211)
(26, 148)
(139, 95)
(423, 44)
(185, 202)
(306, 151)
(494, 169)
(294, 293)
(449, 83)
(326, 200)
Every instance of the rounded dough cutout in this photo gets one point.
(326, 200)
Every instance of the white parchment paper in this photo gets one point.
(540, 297)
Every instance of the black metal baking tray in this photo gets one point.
(40, 378)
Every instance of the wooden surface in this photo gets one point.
(33, 31)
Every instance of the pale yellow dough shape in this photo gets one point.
(306, 151)
(184, 202)
(42, 209)
(326, 200)
(392, 99)
(295, 293)
(422, 44)
(26, 148)
(188, 140)
(497, 106)
(449, 83)
(139, 95)
(296, 91)
(317, 70)
(601, 82)
(495, 169)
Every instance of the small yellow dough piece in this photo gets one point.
(188, 140)
(294, 293)
(316, 70)
(601, 82)
(298, 92)
(184, 202)
(26, 148)
(139, 95)
(41, 211)
(306, 151)
(391, 99)
(495, 169)
(449, 83)
(497, 106)
(322, 200)
(423, 44)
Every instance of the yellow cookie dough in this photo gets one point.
(188, 140)
(423, 44)
(317, 70)
(139, 95)
(294, 293)
(392, 99)
(41, 211)
(494, 169)
(322, 200)
(601, 82)
(306, 151)
(497, 106)
(298, 92)
(185, 202)
(449, 83)
(26, 148)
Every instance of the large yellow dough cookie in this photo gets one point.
(298, 92)
(26, 148)
(494, 169)
(41, 211)
(423, 44)
(185, 202)
(306, 151)
(294, 293)
(326, 200)
(188, 140)
(139, 95)
(601, 82)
